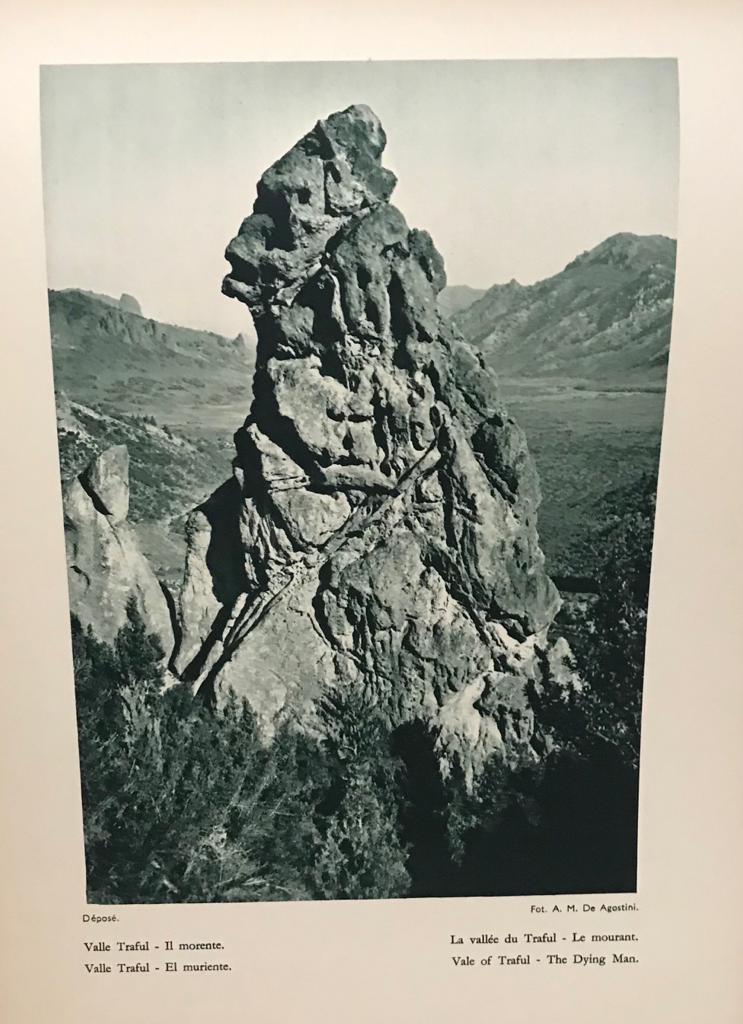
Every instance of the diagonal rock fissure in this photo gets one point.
(387, 517)
(307, 568)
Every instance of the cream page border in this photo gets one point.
(366, 962)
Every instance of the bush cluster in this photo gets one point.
(184, 802)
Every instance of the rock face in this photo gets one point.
(380, 526)
(105, 565)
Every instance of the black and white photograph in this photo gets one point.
(359, 372)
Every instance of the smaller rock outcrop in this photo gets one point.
(129, 304)
(106, 480)
(105, 565)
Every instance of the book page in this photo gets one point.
(341, 680)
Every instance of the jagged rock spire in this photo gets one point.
(380, 527)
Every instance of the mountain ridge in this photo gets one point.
(453, 298)
(198, 398)
(80, 298)
(606, 315)
(125, 362)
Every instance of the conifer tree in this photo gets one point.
(360, 855)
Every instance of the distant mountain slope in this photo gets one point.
(606, 317)
(126, 302)
(106, 353)
(171, 394)
(456, 297)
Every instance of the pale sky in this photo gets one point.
(514, 167)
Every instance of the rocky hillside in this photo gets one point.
(606, 317)
(107, 354)
(379, 529)
(170, 394)
(169, 473)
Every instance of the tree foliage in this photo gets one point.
(568, 822)
(360, 855)
(609, 648)
(184, 802)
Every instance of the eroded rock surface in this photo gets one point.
(105, 564)
(380, 526)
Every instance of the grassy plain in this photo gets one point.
(591, 447)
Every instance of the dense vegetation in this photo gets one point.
(182, 802)
(569, 823)
(594, 452)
